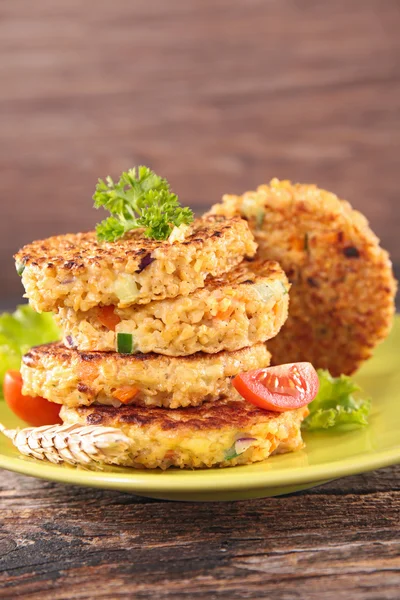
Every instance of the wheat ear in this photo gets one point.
(72, 444)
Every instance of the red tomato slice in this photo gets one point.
(35, 411)
(280, 388)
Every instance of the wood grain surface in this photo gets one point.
(340, 541)
(217, 95)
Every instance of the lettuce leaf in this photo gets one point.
(339, 403)
(20, 331)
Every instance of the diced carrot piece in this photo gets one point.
(224, 315)
(298, 243)
(107, 317)
(125, 394)
(88, 371)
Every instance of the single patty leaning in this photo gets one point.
(224, 433)
(77, 271)
(240, 308)
(73, 378)
(343, 289)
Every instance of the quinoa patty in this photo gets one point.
(77, 271)
(75, 378)
(223, 433)
(240, 308)
(343, 289)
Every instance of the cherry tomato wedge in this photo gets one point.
(280, 388)
(35, 411)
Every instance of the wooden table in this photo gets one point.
(339, 541)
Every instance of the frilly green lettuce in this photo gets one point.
(21, 330)
(339, 403)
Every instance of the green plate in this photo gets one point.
(327, 455)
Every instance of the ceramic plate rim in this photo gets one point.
(235, 479)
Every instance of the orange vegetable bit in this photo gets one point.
(299, 243)
(224, 315)
(225, 309)
(125, 394)
(88, 371)
(107, 317)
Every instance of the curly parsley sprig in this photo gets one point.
(140, 199)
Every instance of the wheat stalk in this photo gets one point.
(72, 444)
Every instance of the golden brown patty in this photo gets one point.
(342, 295)
(240, 308)
(72, 378)
(77, 271)
(223, 433)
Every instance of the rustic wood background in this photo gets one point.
(337, 542)
(217, 95)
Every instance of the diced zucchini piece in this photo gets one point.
(20, 266)
(124, 343)
(126, 289)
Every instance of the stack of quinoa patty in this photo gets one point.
(153, 334)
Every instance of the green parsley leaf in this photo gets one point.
(339, 403)
(139, 199)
